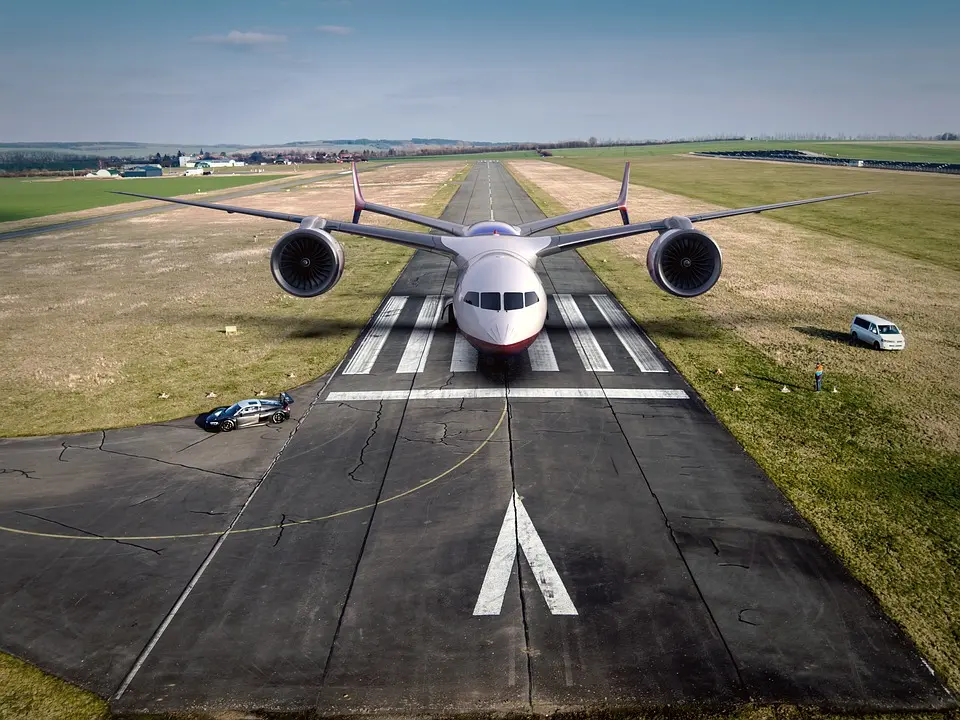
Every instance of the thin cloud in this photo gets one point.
(335, 29)
(235, 37)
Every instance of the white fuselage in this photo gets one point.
(498, 300)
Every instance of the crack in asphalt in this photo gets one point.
(353, 407)
(148, 499)
(283, 521)
(101, 448)
(746, 622)
(441, 441)
(88, 532)
(716, 550)
(373, 432)
(25, 473)
(203, 439)
(205, 512)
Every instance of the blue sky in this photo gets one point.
(237, 71)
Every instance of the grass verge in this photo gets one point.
(28, 198)
(27, 693)
(885, 502)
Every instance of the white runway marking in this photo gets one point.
(372, 343)
(418, 346)
(518, 529)
(587, 346)
(541, 354)
(637, 346)
(512, 393)
(465, 356)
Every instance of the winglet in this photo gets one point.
(622, 200)
(358, 202)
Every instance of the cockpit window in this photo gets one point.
(472, 298)
(490, 301)
(530, 298)
(512, 301)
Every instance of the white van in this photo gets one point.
(877, 332)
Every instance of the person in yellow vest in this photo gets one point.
(818, 375)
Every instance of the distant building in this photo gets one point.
(218, 162)
(141, 171)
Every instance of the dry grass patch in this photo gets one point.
(97, 322)
(873, 467)
(792, 292)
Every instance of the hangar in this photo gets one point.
(142, 171)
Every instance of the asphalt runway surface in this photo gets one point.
(437, 532)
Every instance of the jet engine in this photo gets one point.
(684, 262)
(307, 262)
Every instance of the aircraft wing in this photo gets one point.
(619, 204)
(360, 204)
(567, 241)
(416, 240)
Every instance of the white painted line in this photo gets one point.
(518, 529)
(541, 354)
(638, 346)
(465, 356)
(587, 346)
(512, 393)
(418, 346)
(372, 343)
(158, 633)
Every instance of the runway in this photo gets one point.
(571, 529)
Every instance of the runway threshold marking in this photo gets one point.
(465, 356)
(628, 334)
(541, 354)
(518, 530)
(418, 346)
(511, 393)
(265, 528)
(362, 361)
(583, 338)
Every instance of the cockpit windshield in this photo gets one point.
(511, 300)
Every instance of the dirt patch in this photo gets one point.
(792, 293)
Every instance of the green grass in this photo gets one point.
(27, 693)
(883, 501)
(916, 215)
(22, 198)
(940, 152)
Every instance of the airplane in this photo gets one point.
(498, 303)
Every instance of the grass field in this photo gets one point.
(161, 297)
(943, 152)
(875, 467)
(916, 215)
(22, 198)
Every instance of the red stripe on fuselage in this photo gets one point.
(495, 349)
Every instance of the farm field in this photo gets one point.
(22, 198)
(875, 466)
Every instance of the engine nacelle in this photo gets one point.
(684, 262)
(307, 262)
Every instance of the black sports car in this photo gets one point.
(249, 412)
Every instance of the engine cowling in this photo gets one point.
(307, 262)
(684, 262)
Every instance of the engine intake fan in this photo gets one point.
(307, 262)
(684, 262)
